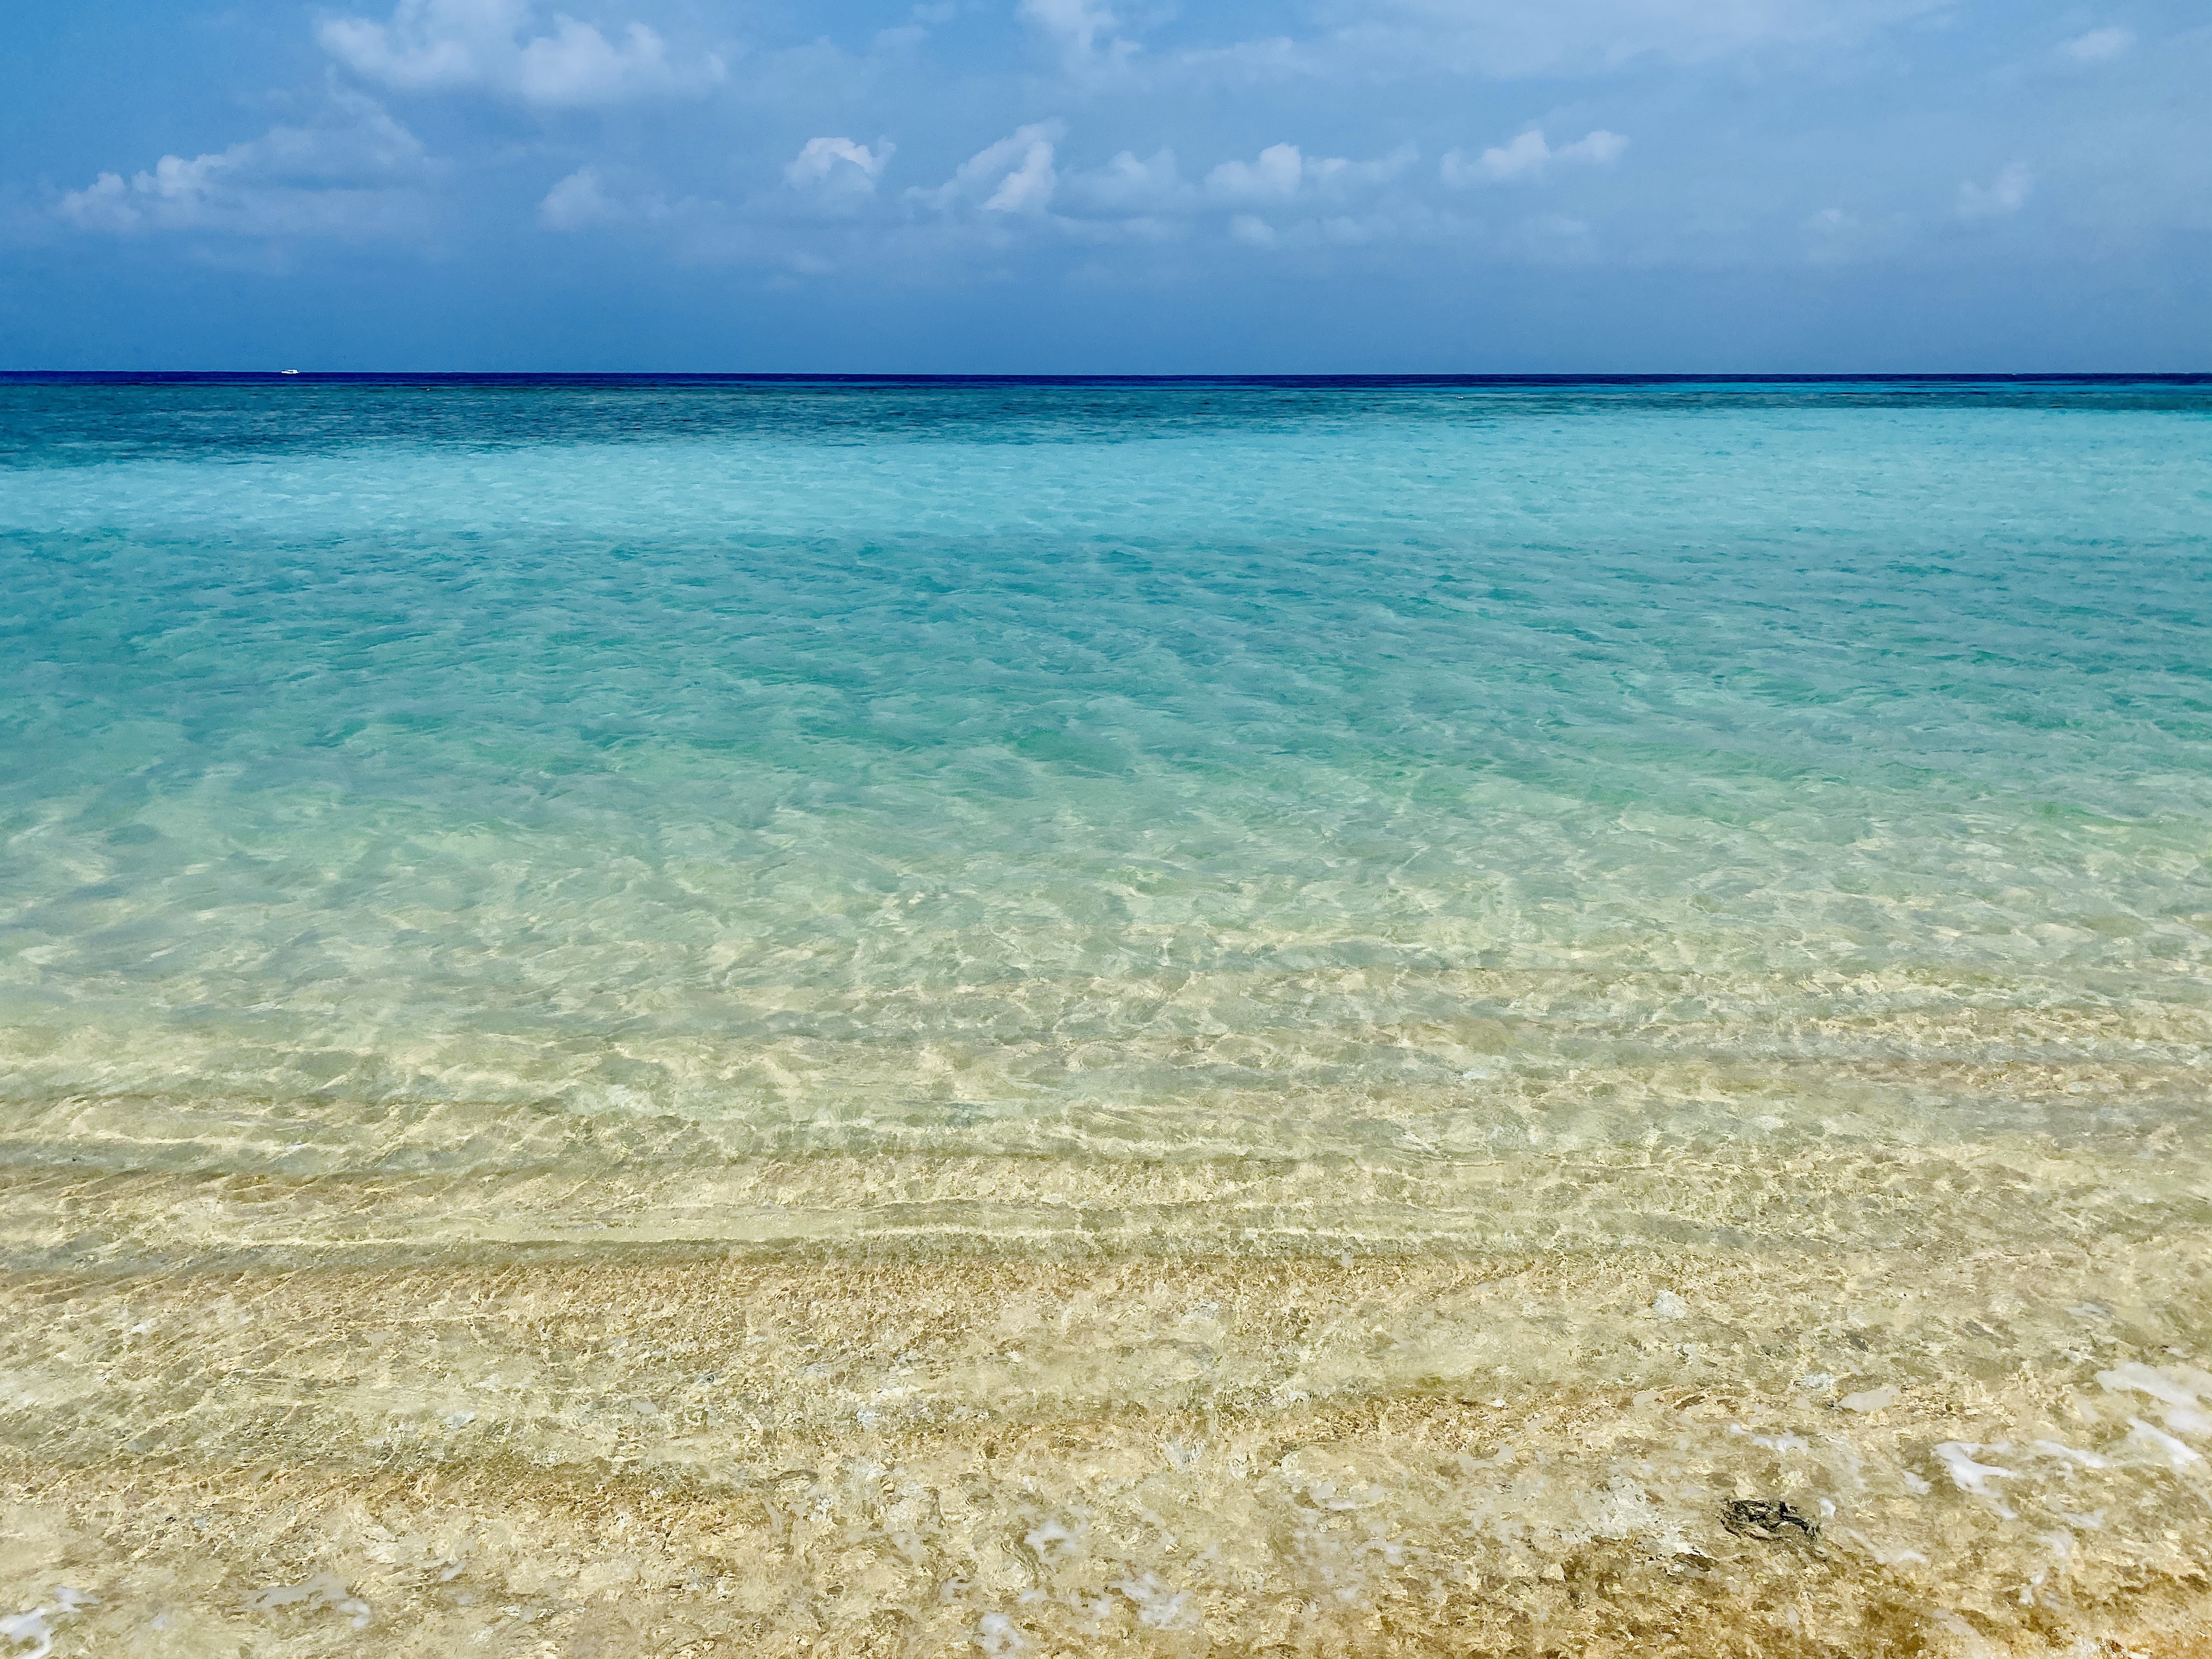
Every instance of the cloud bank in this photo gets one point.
(1528, 156)
(503, 46)
(838, 164)
(352, 172)
(1013, 176)
(1136, 141)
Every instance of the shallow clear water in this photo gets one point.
(1729, 861)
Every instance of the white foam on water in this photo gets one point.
(1870, 1400)
(1969, 1476)
(2178, 1455)
(2088, 1460)
(2174, 1386)
(31, 1629)
(27, 1628)
(1159, 1606)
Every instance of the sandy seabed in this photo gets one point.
(651, 1449)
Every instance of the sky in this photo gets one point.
(1140, 187)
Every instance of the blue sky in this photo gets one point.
(1112, 186)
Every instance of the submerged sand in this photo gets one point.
(318, 1427)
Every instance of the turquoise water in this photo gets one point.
(1069, 768)
(1117, 823)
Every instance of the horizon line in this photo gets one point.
(125, 376)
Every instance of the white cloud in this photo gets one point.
(1401, 222)
(1028, 187)
(2099, 46)
(1276, 174)
(1013, 176)
(1334, 174)
(579, 201)
(1083, 30)
(1283, 170)
(1273, 198)
(1598, 145)
(600, 199)
(353, 172)
(1128, 186)
(2004, 195)
(436, 45)
(839, 164)
(607, 198)
(1528, 156)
